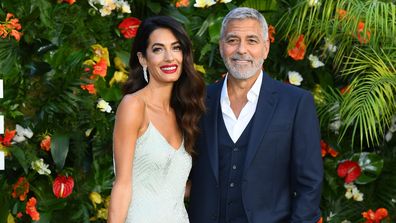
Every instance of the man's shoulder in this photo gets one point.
(287, 89)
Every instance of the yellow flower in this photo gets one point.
(100, 52)
(96, 198)
(200, 68)
(10, 218)
(89, 62)
(107, 202)
(119, 77)
(119, 64)
(102, 213)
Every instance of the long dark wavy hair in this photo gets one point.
(187, 99)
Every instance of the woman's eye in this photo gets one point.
(177, 48)
(157, 49)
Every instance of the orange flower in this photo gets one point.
(129, 26)
(100, 68)
(341, 13)
(271, 33)
(8, 136)
(20, 189)
(89, 87)
(298, 52)
(31, 209)
(10, 27)
(63, 186)
(327, 149)
(182, 3)
(320, 220)
(363, 38)
(375, 217)
(344, 89)
(45, 143)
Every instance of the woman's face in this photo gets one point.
(164, 56)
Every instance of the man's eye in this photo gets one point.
(231, 41)
(252, 41)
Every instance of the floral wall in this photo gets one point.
(63, 63)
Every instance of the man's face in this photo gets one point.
(243, 48)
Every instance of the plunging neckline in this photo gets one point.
(164, 139)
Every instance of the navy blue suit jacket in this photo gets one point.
(283, 170)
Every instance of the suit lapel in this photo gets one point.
(211, 125)
(266, 105)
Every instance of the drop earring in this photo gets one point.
(145, 73)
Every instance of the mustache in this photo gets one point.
(241, 57)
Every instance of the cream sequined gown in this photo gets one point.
(159, 178)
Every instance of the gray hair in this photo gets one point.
(245, 13)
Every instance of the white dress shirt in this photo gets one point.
(235, 126)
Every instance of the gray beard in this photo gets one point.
(244, 74)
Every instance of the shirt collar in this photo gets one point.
(252, 94)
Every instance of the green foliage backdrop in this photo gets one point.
(63, 69)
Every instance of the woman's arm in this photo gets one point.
(128, 123)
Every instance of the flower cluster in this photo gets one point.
(327, 149)
(108, 6)
(353, 192)
(10, 27)
(100, 206)
(208, 3)
(182, 3)
(96, 66)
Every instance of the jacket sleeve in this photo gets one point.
(306, 164)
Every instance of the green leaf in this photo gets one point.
(214, 29)
(371, 165)
(59, 149)
(20, 156)
(154, 7)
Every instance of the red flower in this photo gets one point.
(327, 149)
(63, 186)
(129, 26)
(70, 1)
(8, 136)
(89, 87)
(344, 89)
(271, 33)
(298, 52)
(350, 170)
(100, 68)
(20, 189)
(10, 27)
(375, 217)
(19, 215)
(45, 143)
(31, 209)
(320, 220)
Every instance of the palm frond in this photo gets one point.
(370, 103)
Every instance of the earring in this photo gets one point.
(145, 73)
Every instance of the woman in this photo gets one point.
(156, 126)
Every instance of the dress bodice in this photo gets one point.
(159, 178)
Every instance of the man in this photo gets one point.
(259, 157)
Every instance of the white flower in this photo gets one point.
(124, 6)
(353, 192)
(330, 46)
(331, 215)
(103, 106)
(388, 136)
(346, 221)
(315, 62)
(204, 3)
(294, 78)
(225, 1)
(40, 167)
(335, 123)
(22, 134)
(313, 3)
